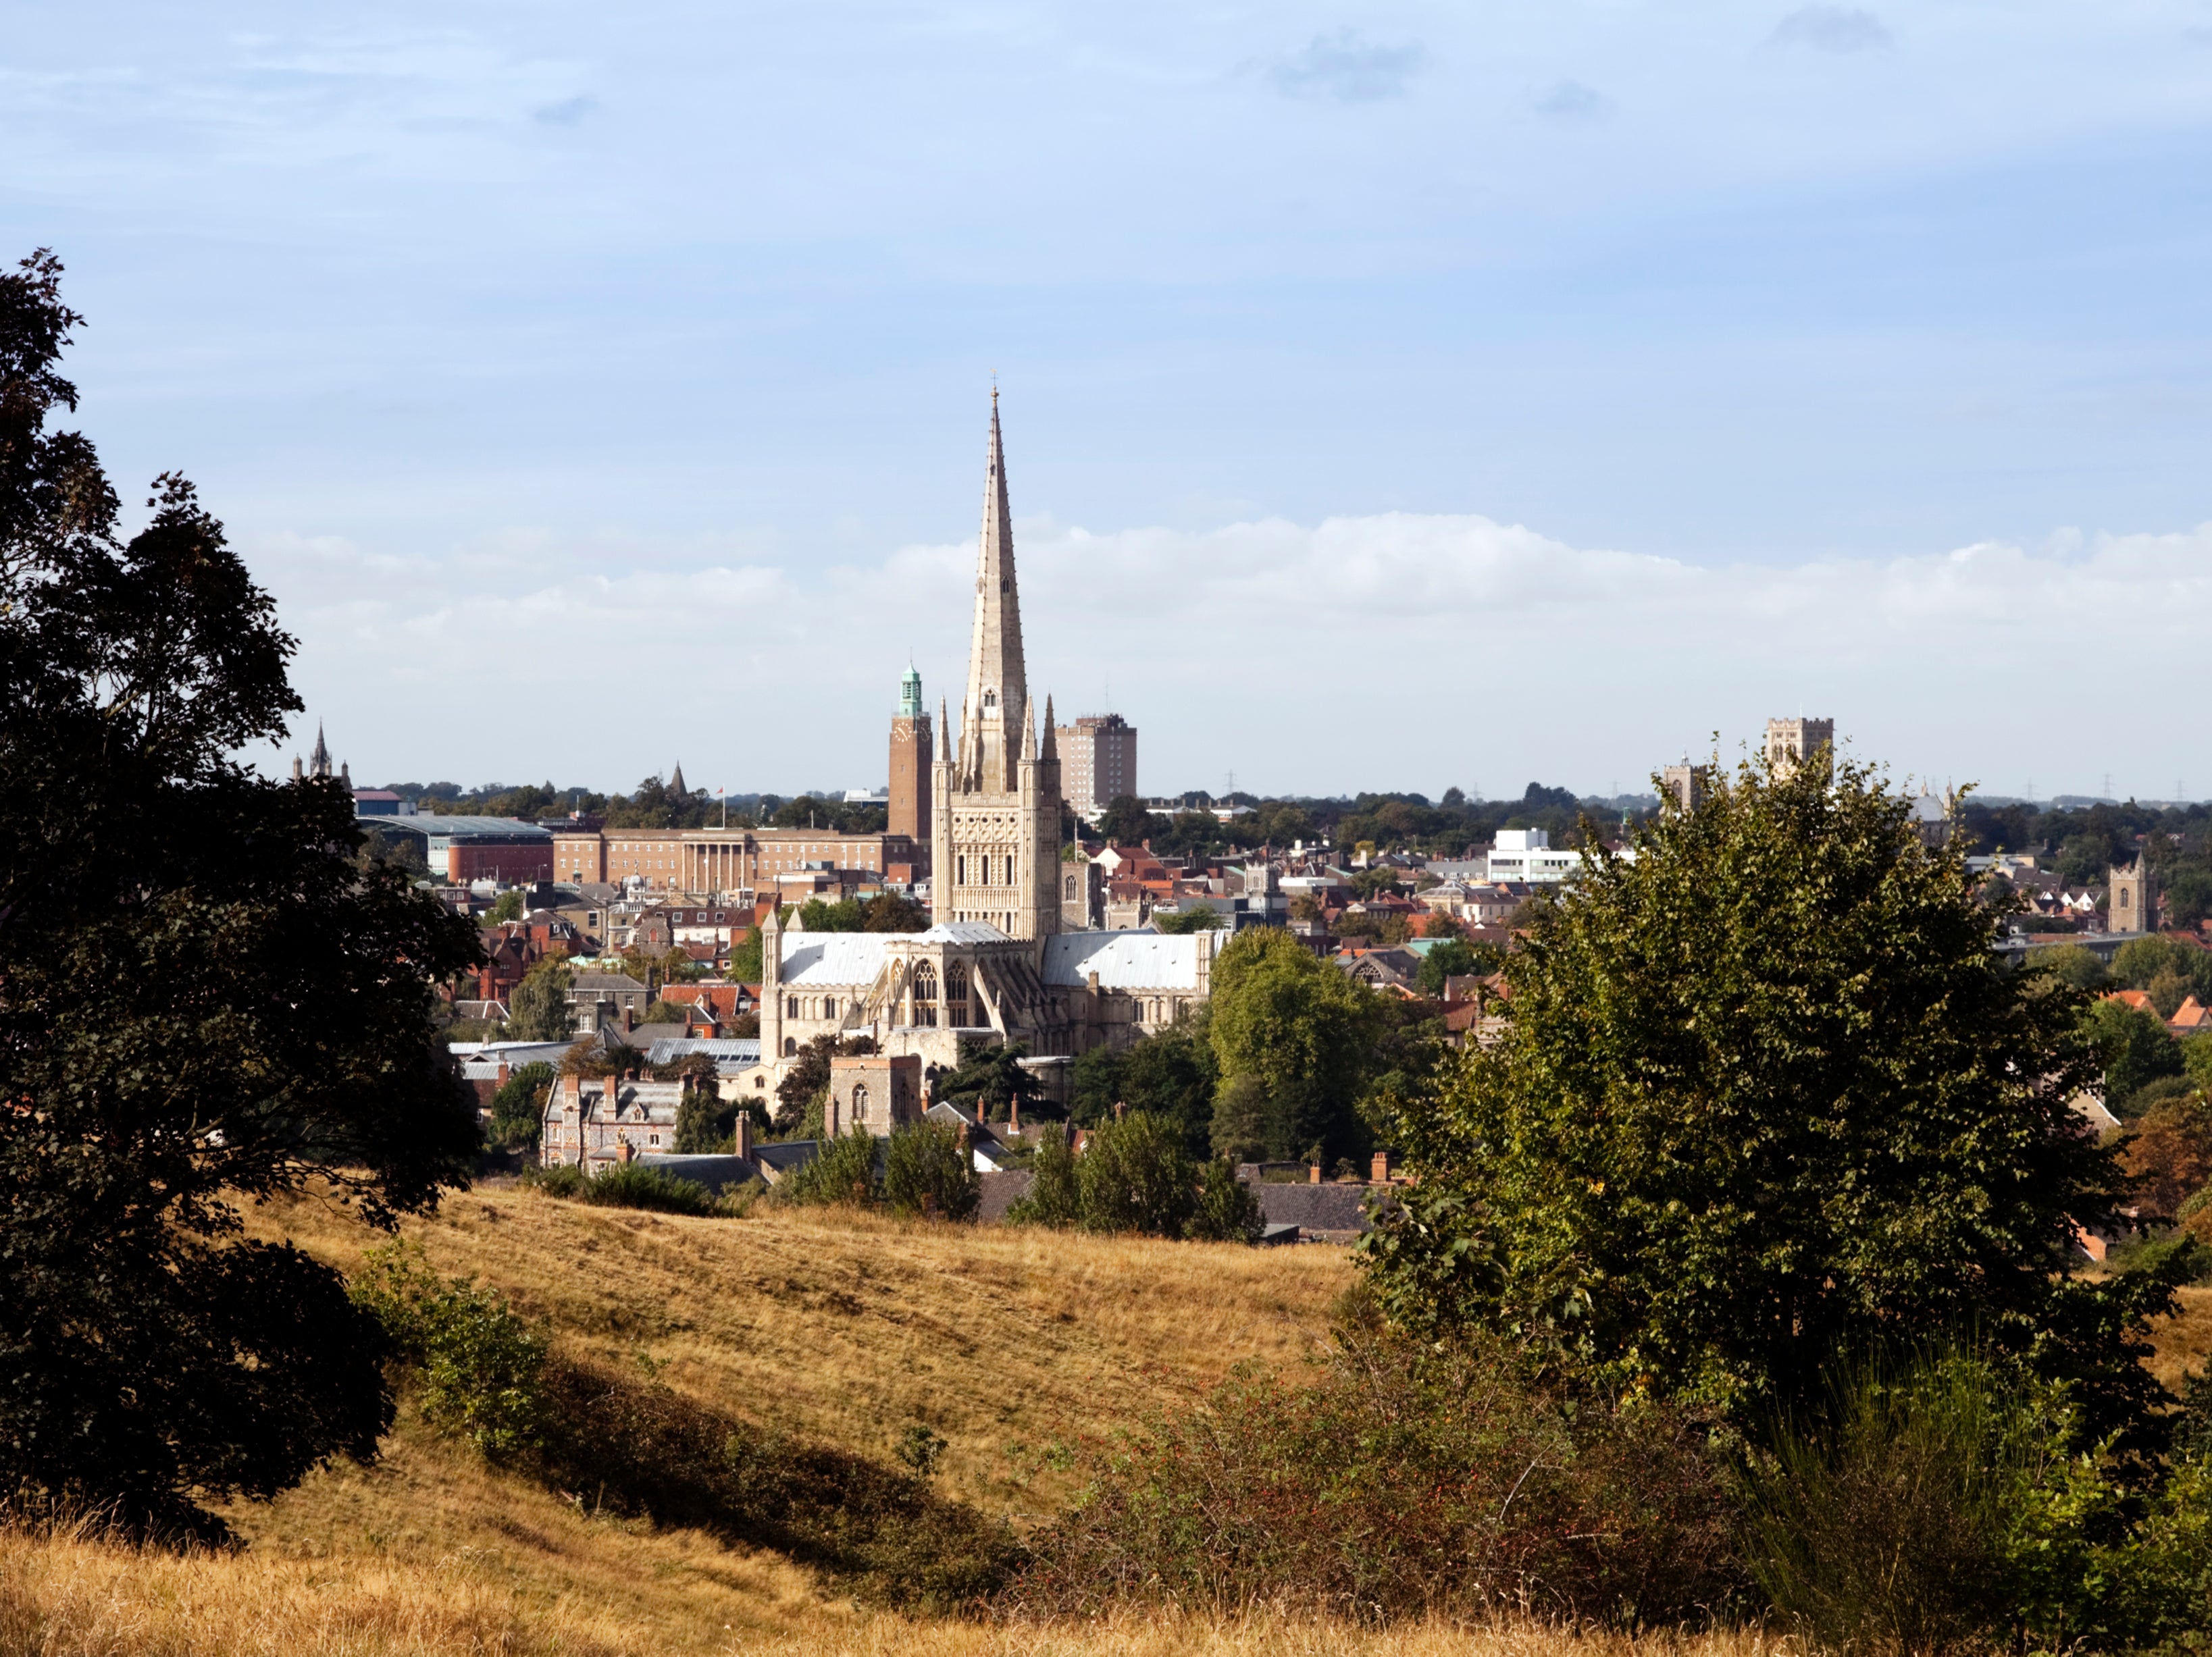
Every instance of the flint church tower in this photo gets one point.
(995, 798)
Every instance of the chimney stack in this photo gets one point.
(745, 1133)
(1313, 1174)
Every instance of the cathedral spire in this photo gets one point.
(998, 687)
(944, 734)
(1051, 749)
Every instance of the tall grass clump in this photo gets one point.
(634, 1185)
(1400, 1480)
(1948, 1502)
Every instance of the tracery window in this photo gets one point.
(956, 995)
(860, 1101)
(925, 994)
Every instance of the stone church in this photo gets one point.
(996, 964)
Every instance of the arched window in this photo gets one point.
(956, 995)
(925, 993)
(1070, 886)
(990, 700)
(859, 1102)
(791, 1047)
(791, 1006)
(829, 1008)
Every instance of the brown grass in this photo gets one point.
(843, 1328)
(68, 1596)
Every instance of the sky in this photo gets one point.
(1396, 397)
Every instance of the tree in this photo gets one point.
(508, 906)
(1452, 959)
(705, 1122)
(2074, 965)
(1169, 1074)
(893, 912)
(1052, 1199)
(192, 1019)
(2169, 1150)
(666, 1012)
(1200, 919)
(1133, 1176)
(2134, 1048)
(1239, 1129)
(745, 957)
(537, 1007)
(1765, 1097)
(517, 1109)
(927, 1171)
(991, 1082)
(1125, 822)
(1303, 1030)
(1226, 1210)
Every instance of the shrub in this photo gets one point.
(563, 1179)
(1133, 1176)
(1227, 1211)
(927, 1170)
(634, 1185)
(1946, 1504)
(517, 1109)
(1052, 1199)
(1403, 1480)
(843, 1171)
(478, 1363)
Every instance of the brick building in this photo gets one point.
(913, 733)
(728, 863)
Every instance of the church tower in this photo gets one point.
(995, 799)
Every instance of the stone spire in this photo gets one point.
(944, 734)
(998, 687)
(1051, 749)
(1029, 738)
(675, 781)
(319, 762)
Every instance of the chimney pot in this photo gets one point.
(1313, 1174)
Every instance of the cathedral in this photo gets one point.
(995, 964)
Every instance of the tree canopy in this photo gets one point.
(1766, 1095)
(1301, 1034)
(193, 1018)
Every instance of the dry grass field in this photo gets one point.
(845, 1328)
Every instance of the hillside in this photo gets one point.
(845, 1329)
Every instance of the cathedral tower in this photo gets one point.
(995, 799)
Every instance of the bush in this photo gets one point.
(1052, 1199)
(1405, 1480)
(1945, 1504)
(1133, 1176)
(631, 1184)
(843, 1171)
(517, 1109)
(477, 1362)
(1227, 1211)
(928, 1171)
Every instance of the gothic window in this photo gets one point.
(859, 1102)
(791, 1047)
(925, 993)
(956, 995)
(990, 700)
(1070, 886)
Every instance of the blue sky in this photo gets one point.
(1396, 396)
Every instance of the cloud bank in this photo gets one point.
(1394, 650)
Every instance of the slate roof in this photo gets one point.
(1000, 1193)
(670, 1048)
(717, 1174)
(1141, 959)
(1338, 1208)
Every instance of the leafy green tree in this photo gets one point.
(1766, 1096)
(2074, 965)
(191, 1020)
(1125, 822)
(2137, 964)
(1053, 1198)
(893, 912)
(1169, 1074)
(665, 1012)
(517, 1109)
(1239, 1129)
(745, 957)
(1134, 1176)
(819, 914)
(1303, 1030)
(537, 1007)
(1226, 1210)
(990, 1082)
(1452, 959)
(508, 906)
(2135, 1047)
(927, 1171)
(1197, 918)
(843, 1171)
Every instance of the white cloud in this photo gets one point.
(1396, 650)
